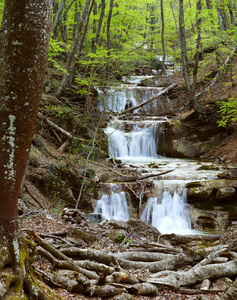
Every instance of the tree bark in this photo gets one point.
(162, 36)
(102, 11)
(73, 51)
(21, 85)
(57, 18)
(185, 62)
(109, 42)
(177, 279)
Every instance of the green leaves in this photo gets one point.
(229, 111)
(56, 48)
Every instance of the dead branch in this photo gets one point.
(62, 264)
(100, 256)
(41, 205)
(75, 286)
(182, 278)
(226, 62)
(175, 239)
(143, 256)
(63, 131)
(135, 178)
(215, 251)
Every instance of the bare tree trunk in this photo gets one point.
(109, 42)
(57, 17)
(191, 91)
(21, 84)
(75, 45)
(162, 36)
(102, 11)
(176, 26)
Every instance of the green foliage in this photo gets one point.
(62, 112)
(1, 9)
(118, 237)
(229, 111)
(56, 48)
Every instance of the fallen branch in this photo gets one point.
(135, 178)
(42, 205)
(63, 131)
(226, 62)
(178, 279)
(131, 109)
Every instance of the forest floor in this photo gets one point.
(47, 218)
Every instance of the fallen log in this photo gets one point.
(55, 126)
(131, 109)
(135, 178)
(182, 278)
(75, 286)
(175, 239)
(172, 262)
(62, 264)
(143, 256)
(100, 256)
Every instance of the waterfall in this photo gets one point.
(141, 141)
(116, 100)
(113, 206)
(125, 96)
(170, 215)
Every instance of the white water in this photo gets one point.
(141, 141)
(113, 206)
(170, 214)
(116, 100)
(136, 143)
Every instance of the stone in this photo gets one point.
(158, 80)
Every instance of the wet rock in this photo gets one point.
(206, 222)
(144, 230)
(225, 192)
(209, 220)
(159, 81)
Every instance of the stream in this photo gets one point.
(138, 143)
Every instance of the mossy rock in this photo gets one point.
(79, 236)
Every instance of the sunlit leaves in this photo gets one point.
(229, 111)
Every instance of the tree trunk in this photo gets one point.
(73, 51)
(109, 44)
(102, 11)
(21, 84)
(57, 17)
(185, 62)
(162, 36)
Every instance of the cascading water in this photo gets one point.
(113, 206)
(170, 214)
(116, 100)
(141, 141)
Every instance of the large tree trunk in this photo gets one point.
(185, 62)
(21, 83)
